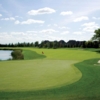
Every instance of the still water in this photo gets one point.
(5, 54)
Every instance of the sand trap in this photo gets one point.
(98, 63)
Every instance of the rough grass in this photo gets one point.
(87, 88)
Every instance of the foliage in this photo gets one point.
(96, 36)
(56, 44)
(17, 54)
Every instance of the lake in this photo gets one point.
(5, 54)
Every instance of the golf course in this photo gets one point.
(55, 74)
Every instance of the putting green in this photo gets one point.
(37, 74)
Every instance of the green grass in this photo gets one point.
(28, 54)
(59, 74)
(67, 54)
(37, 75)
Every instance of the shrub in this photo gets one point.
(17, 54)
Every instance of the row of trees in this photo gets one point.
(94, 43)
(56, 44)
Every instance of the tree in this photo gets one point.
(17, 54)
(55, 44)
(96, 36)
(36, 44)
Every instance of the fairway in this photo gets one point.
(37, 74)
(58, 74)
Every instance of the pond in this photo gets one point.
(5, 54)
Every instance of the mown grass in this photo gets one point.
(87, 88)
(37, 75)
(28, 54)
(68, 54)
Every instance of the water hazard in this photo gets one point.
(5, 54)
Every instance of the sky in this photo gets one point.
(38, 20)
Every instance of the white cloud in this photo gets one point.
(0, 15)
(15, 37)
(81, 18)
(17, 22)
(6, 19)
(96, 18)
(65, 32)
(32, 31)
(45, 10)
(18, 17)
(29, 21)
(63, 27)
(66, 13)
(5, 36)
(17, 33)
(90, 27)
(78, 33)
(48, 31)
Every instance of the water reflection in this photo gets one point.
(5, 54)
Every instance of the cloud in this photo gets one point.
(17, 33)
(78, 33)
(45, 10)
(65, 32)
(32, 31)
(96, 18)
(0, 15)
(48, 31)
(29, 21)
(19, 17)
(63, 27)
(81, 18)
(7, 19)
(66, 13)
(15, 37)
(17, 22)
(90, 27)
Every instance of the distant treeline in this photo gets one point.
(56, 44)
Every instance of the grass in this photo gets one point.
(37, 74)
(28, 54)
(56, 76)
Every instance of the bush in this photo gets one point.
(17, 55)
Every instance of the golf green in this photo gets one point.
(37, 74)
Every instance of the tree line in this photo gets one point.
(56, 44)
(93, 43)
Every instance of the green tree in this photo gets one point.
(17, 54)
(96, 36)
(55, 44)
(36, 44)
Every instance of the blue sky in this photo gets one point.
(37, 20)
